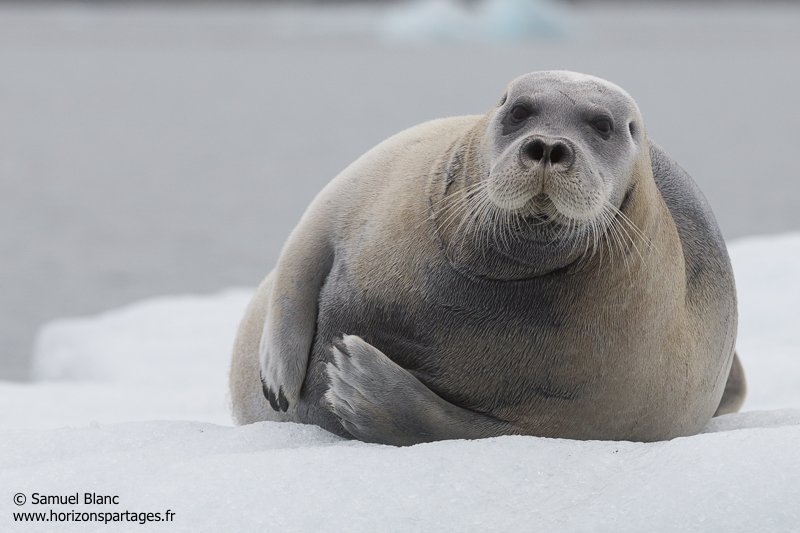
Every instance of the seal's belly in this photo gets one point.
(548, 355)
(489, 350)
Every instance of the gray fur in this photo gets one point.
(378, 401)
(386, 321)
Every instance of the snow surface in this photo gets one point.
(96, 419)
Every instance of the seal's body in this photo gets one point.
(542, 269)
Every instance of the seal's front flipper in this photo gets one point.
(291, 316)
(288, 330)
(378, 401)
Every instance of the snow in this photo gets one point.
(286, 477)
(767, 272)
(101, 367)
(96, 419)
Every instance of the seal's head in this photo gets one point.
(561, 146)
(547, 171)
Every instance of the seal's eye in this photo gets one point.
(603, 125)
(519, 113)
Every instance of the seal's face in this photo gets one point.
(559, 149)
(545, 180)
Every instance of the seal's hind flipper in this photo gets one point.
(735, 389)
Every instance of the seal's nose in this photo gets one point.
(543, 151)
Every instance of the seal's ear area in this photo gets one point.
(636, 130)
(503, 100)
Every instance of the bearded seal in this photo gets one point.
(542, 269)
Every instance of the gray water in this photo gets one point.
(148, 151)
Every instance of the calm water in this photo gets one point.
(168, 150)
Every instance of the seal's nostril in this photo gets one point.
(561, 154)
(535, 150)
(543, 152)
(557, 153)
